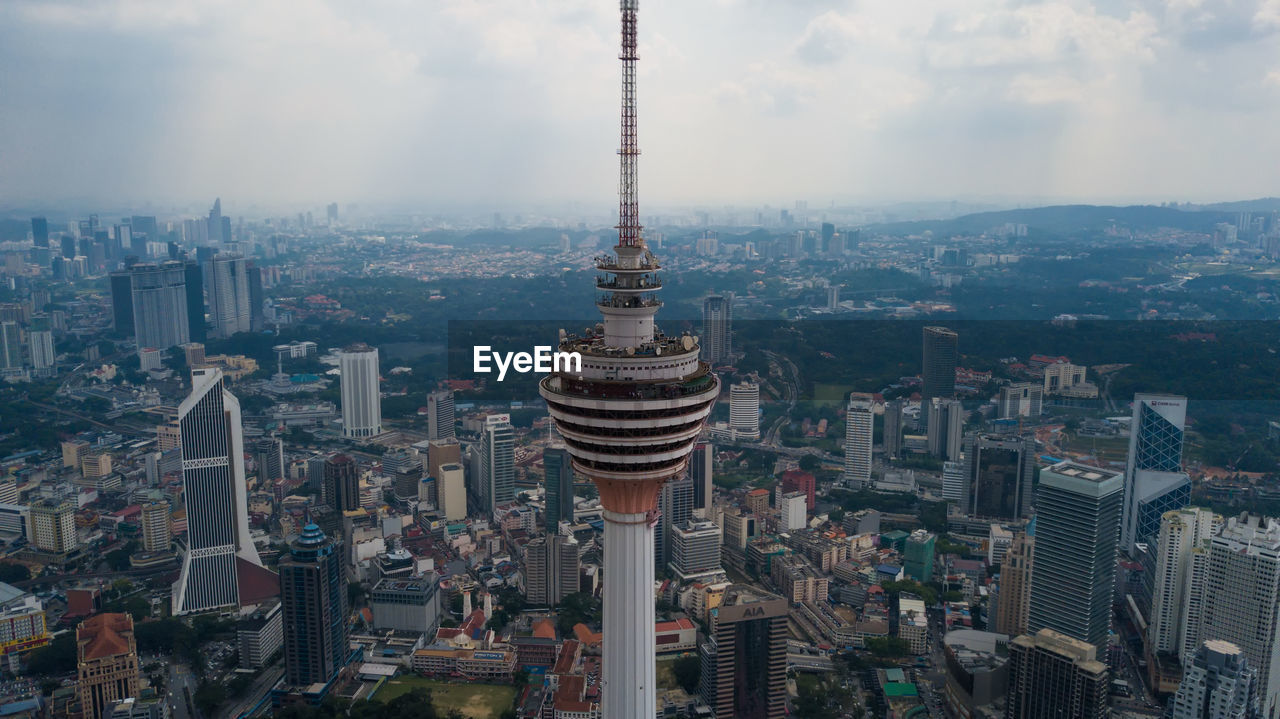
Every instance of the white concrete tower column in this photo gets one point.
(629, 668)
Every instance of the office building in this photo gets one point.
(156, 530)
(155, 296)
(342, 483)
(552, 568)
(1062, 376)
(892, 429)
(654, 387)
(197, 329)
(107, 663)
(441, 452)
(1020, 399)
(717, 329)
(744, 660)
(941, 354)
(1239, 599)
(1013, 608)
(999, 470)
(1181, 532)
(1077, 524)
(451, 491)
(695, 550)
(859, 433)
(40, 231)
(954, 485)
(229, 296)
(407, 605)
(1154, 480)
(220, 564)
(1218, 683)
(945, 420)
(675, 506)
(558, 472)
(700, 471)
(497, 481)
(798, 480)
(260, 634)
(440, 414)
(257, 315)
(744, 410)
(1054, 675)
(793, 511)
(361, 394)
(53, 526)
(268, 456)
(918, 556)
(313, 592)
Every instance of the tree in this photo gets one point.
(209, 697)
(688, 670)
(888, 647)
(11, 572)
(810, 463)
(56, 658)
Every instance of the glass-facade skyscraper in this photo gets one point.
(1154, 480)
(313, 595)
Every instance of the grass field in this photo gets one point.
(835, 393)
(666, 675)
(475, 701)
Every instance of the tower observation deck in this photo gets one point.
(630, 419)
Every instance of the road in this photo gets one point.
(181, 691)
(241, 706)
(789, 376)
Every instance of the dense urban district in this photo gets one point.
(1010, 464)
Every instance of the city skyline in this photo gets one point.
(1068, 100)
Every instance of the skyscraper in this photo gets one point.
(253, 276)
(1014, 600)
(1020, 399)
(361, 393)
(220, 554)
(451, 491)
(918, 555)
(497, 462)
(53, 526)
(744, 661)
(43, 356)
(268, 456)
(1154, 480)
(159, 298)
(1054, 675)
(695, 550)
(552, 566)
(558, 472)
(1218, 683)
(10, 346)
(107, 663)
(744, 410)
(40, 231)
(892, 428)
(675, 506)
(859, 433)
(630, 419)
(1077, 523)
(1240, 598)
(945, 419)
(700, 471)
(941, 353)
(1181, 531)
(196, 328)
(229, 299)
(440, 414)
(314, 598)
(342, 483)
(717, 328)
(999, 471)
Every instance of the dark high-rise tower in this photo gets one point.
(744, 662)
(558, 470)
(1052, 675)
(629, 416)
(342, 483)
(717, 328)
(940, 358)
(40, 231)
(313, 595)
(998, 475)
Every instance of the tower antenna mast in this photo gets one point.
(628, 191)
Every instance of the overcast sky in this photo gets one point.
(494, 102)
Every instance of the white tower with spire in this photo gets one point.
(630, 419)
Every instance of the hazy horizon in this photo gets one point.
(487, 105)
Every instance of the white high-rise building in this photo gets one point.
(859, 432)
(945, 432)
(451, 491)
(1181, 531)
(794, 511)
(954, 481)
(229, 300)
(43, 356)
(1154, 480)
(10, 346)
(156, 533)
(1218, 683)
(440, 414)
(497, 462)
(214, 493)
(744, 410)
(159, 298)
(1240, 596)
(361, 396)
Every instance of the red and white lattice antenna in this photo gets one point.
(628, 192)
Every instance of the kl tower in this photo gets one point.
(630, 418)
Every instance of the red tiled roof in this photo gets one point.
(544, 628)
(102, 635)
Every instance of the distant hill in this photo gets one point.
(1262, 204)
(1062, 219)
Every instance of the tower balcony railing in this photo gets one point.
(605, 282)
(628, 301)
(694, 384)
